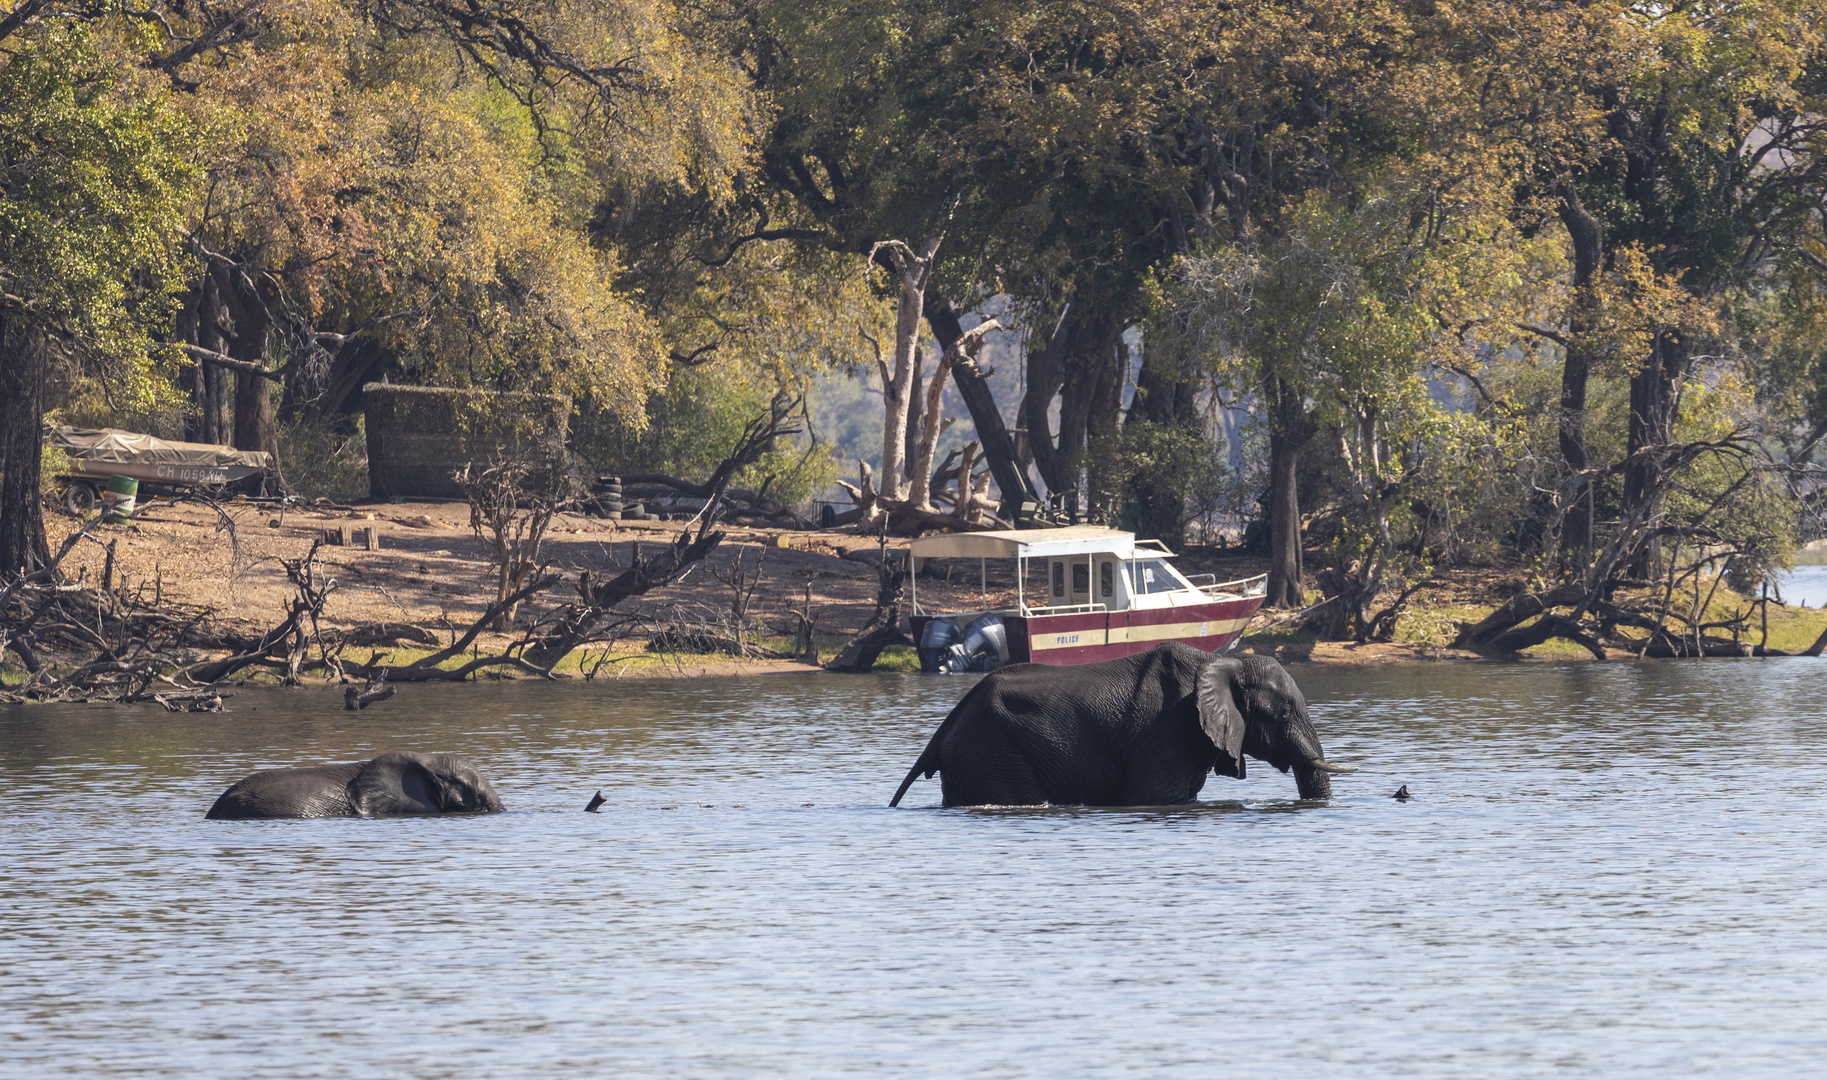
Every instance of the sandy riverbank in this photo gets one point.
(432, 574)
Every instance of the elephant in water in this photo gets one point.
(392, 784)
(1143, 730)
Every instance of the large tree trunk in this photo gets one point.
(914, 268)
(1653, 392)
(1588, 241)
(1046, 374)
(253, 418)
(1285, 569)
(1164, 393)
(1290, 428)
(254, 426)
(932, 423)
(916, 422)
(212, 396)
(1079, 364)
(24, 357)
(992, 433)
(1103, 415)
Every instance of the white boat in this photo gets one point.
(1106, 595)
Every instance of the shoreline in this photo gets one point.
(427, 577)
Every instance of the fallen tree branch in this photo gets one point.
(1543, 629)
(576, 622)
(883, 629)
(1518, 610)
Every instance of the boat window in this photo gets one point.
(1059, 579)
(1153, 576)
(1106, 582)
(1081, 578)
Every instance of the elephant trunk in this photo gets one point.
(1312, 772)
(1312, 781)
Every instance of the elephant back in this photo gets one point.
(1120, 697)
(318, 791)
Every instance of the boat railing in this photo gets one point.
(1067, 609)
(1250, 586)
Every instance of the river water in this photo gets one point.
(1805, 585)
(1615, 869)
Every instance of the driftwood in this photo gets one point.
(78, 642)
(135, 654)
(1518, 610)
(354, 699)
(862, 493)
(1544, 629)
(367, 635)
(782, 420)
(905, 516)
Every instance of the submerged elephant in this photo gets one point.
(392, 784)
(1140, 731)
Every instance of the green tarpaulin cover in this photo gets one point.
(94, 446)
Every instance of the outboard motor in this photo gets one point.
(936, 643)
(985, 647)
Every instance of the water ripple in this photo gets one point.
(1606, 869)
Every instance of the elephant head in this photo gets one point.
(1250, 706)
(405, 783)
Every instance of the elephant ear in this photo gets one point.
(1219, 716)
(396, 784)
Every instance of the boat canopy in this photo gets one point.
(115, 447)
(1035, 544)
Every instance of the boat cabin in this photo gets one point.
(1102, 594)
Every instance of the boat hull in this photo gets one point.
(1088, 637)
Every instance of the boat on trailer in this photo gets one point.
(1104, 594)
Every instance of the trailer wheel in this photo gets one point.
(80, 497)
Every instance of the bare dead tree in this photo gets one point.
(578, 621)
(78, 642)
(741, 583)
(511, 505)
(1605, 606)
(884, 626)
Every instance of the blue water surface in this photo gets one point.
(1608, 869)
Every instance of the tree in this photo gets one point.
(91, 184)
(867, 146)
(1693, 181)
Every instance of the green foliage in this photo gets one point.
(321, 462)
(1154, 475)
(52, 463)
(1730, 501)
(92, 179)
(1352, 216)
(692, 425)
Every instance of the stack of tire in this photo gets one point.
(609, 497)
